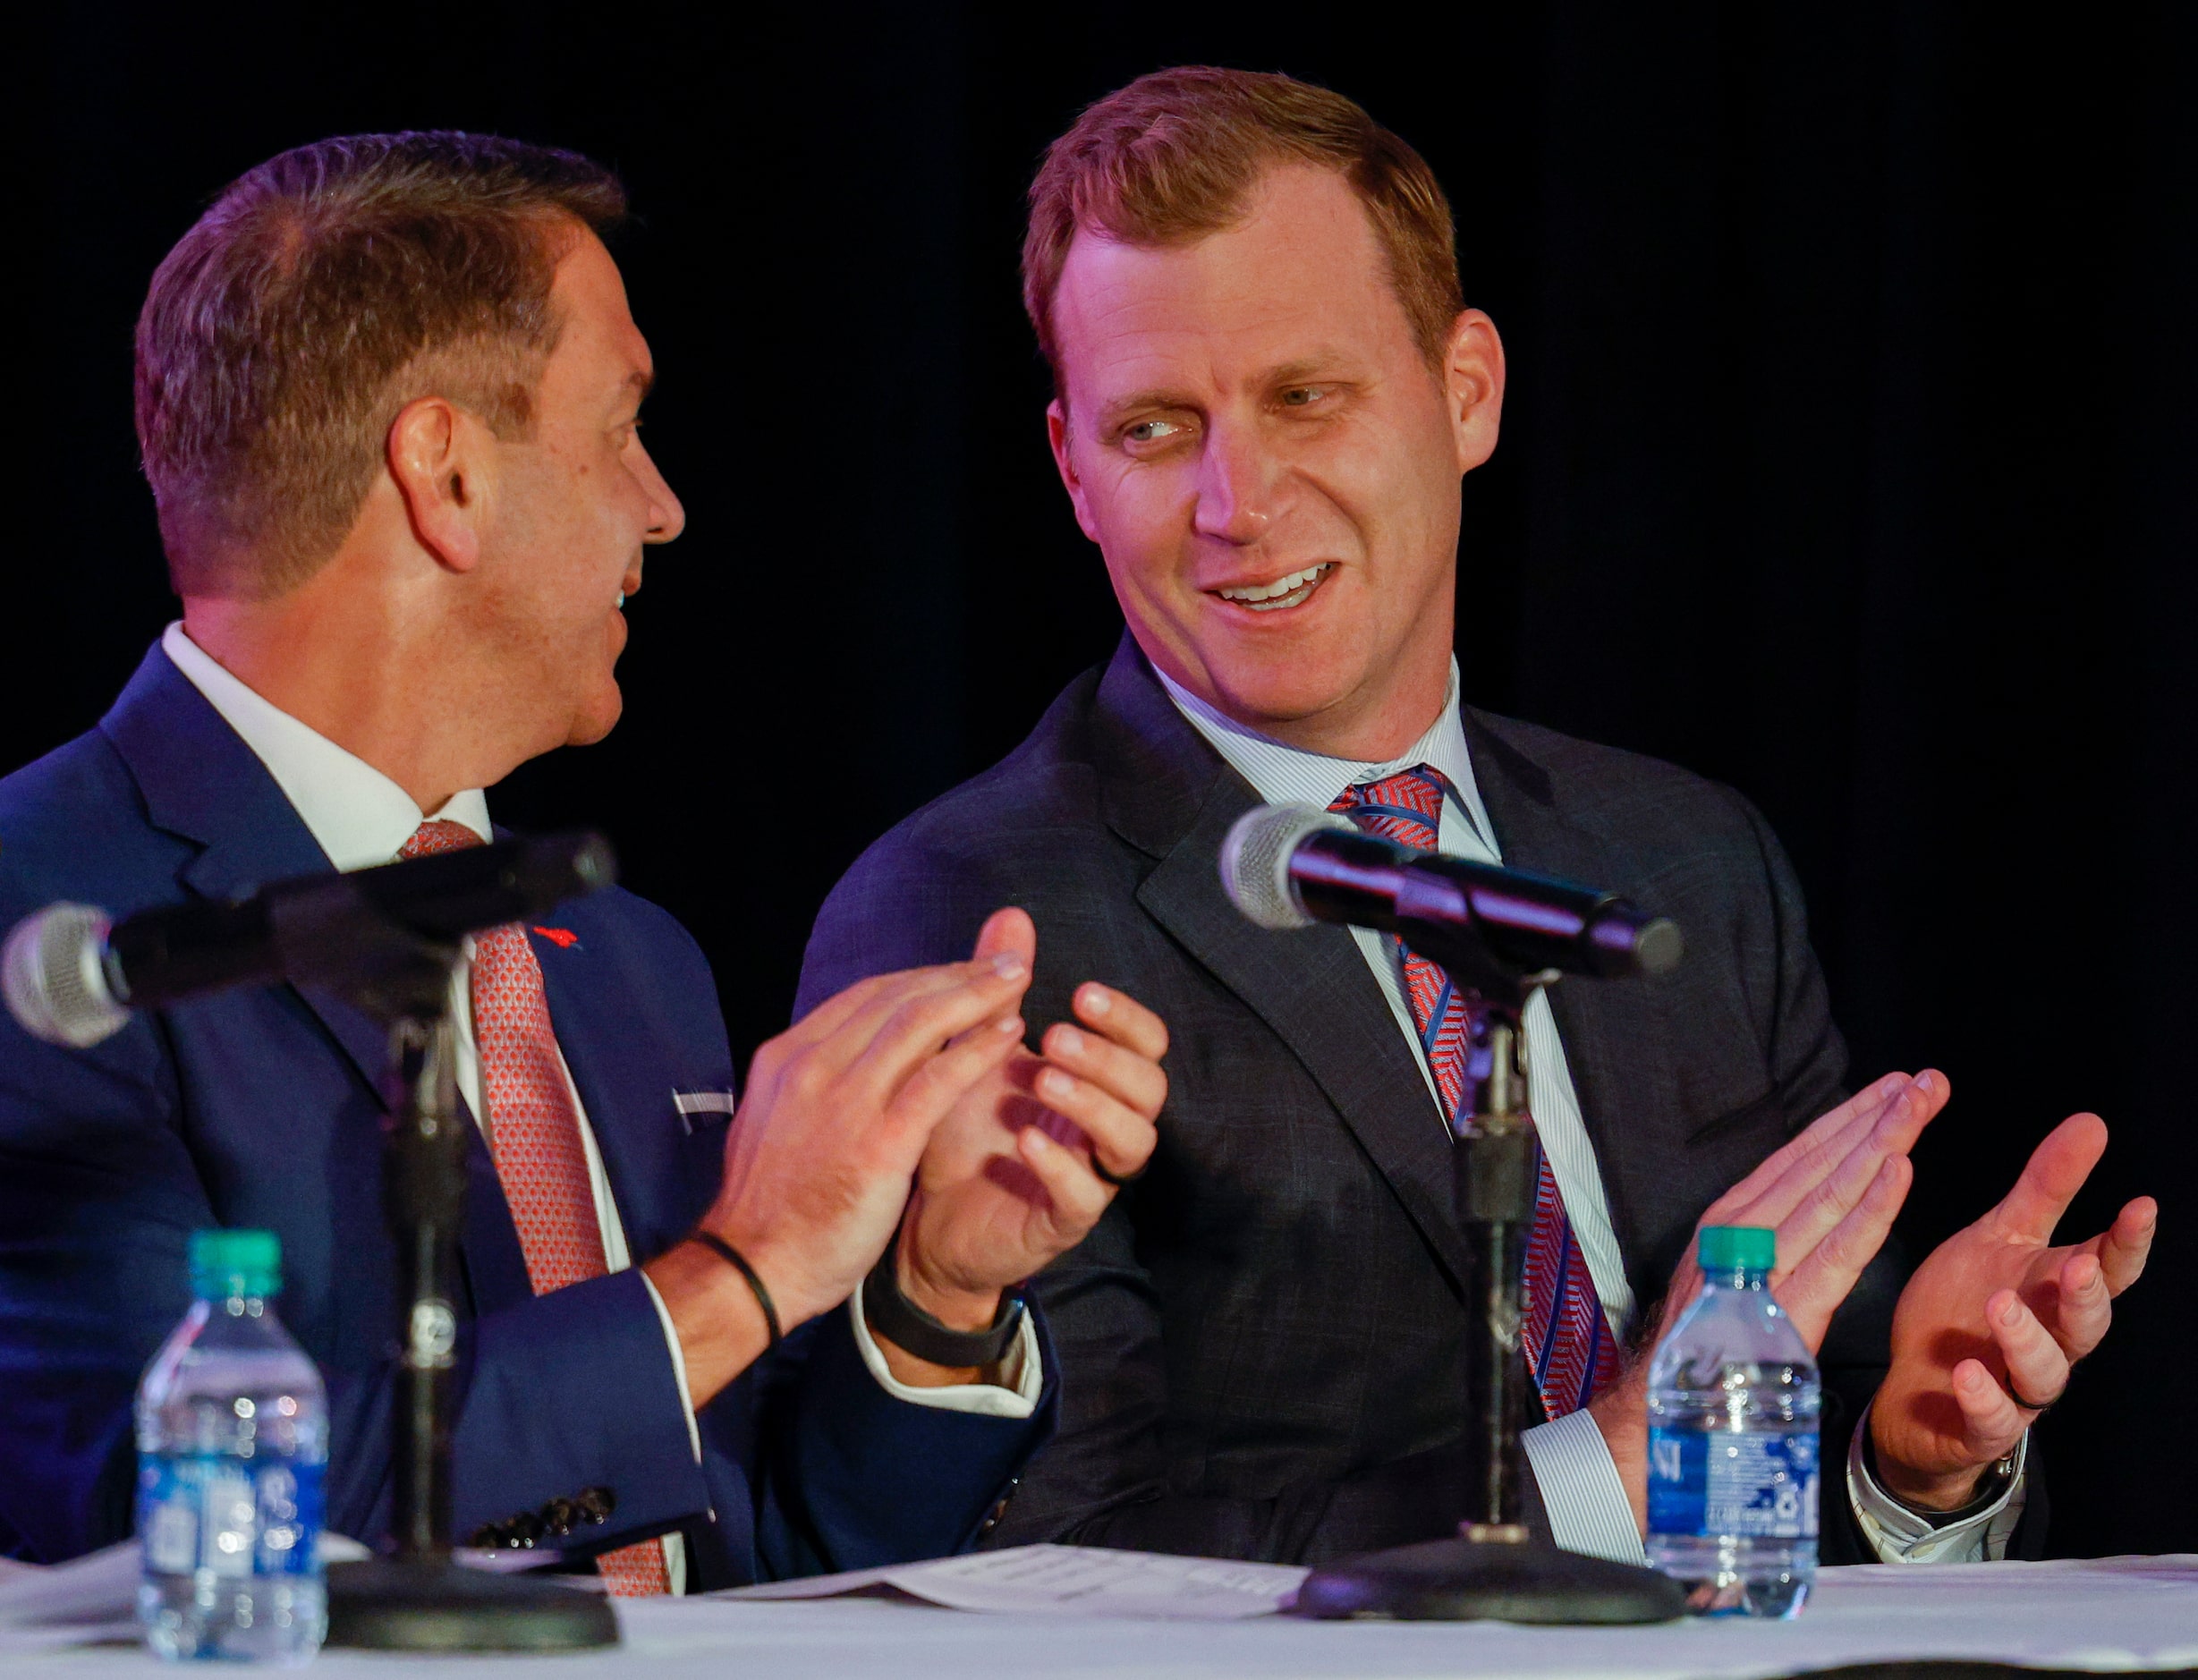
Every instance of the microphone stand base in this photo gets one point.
(1488, 1580)
(401, 1604)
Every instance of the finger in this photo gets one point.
(1008, 932)
(1991, 1421)
(1824, 1140)
(1821, 1279)
(1121, 1018)
(2125, 1243)
(2037, 1368)
(2055, 1171)
(1820, 1211)
(1123, 1073)
(918, 1013)
(872, 999)
(929, 1091)
(1077, 1194)
(1841, 1167)
(2082, 1311)
(1121, 1139)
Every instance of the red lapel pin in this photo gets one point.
(563, 938)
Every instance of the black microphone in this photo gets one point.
(1289, 866)
(71, 976)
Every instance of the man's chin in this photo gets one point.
(592, 722)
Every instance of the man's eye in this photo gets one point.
(1299, 396)
(1150, 432)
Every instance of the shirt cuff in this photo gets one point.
(1023, 1377)
(679, 1366)
(1581, 1489)
(1898, 1535)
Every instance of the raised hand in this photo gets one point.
(1831, 1194)
(1008, 1181)
(820, 1157)
(1996, 1316)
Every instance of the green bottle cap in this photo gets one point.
(225, 1263)
(1733, 1248)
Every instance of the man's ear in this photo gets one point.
(438, 456)
(1056, 434)
(1472, 377)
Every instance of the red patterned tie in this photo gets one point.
(1569, 1346)
(534, 1135)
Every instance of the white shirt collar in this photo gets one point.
(1290, 776)
(359, 817)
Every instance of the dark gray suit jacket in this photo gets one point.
(1261, 1342)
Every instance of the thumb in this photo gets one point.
(1008, 932)
(2055, 1171)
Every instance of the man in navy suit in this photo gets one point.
(387, 390)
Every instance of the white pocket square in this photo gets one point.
(691, 1103)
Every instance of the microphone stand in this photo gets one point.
(419, 1599)
(1494, 1569)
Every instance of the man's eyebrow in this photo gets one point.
(1115, 407)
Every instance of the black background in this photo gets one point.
(1848, 459)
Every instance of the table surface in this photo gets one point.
(2107, 1614)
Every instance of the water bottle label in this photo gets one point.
(228, 1516)
(1754, 1486)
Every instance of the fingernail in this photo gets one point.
(1008, 1026)
(1055, 1083)
(1008, 967)
(1096, 1002)
(2011, 1314)
(1067, 1041)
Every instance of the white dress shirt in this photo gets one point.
(1589, 1510)
(361, 819)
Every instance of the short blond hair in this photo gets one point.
(318, 294)
(1173, 157)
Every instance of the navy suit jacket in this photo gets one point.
(261, 1107)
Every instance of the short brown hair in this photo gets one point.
(1171, 158)
(322, 292)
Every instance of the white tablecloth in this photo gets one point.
(2126, 1613)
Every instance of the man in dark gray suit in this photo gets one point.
(1266, 390)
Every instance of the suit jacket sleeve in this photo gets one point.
(100, 1189)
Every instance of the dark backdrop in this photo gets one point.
(1848, 460)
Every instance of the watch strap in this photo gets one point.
(893, 1315)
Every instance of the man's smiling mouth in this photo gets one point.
(1293, 588)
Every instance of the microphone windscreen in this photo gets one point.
(53, 976)
(1255, 860)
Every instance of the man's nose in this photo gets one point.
(666, 517)
(1238, 485)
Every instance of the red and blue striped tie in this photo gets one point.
(1569, 1345)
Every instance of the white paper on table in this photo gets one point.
(1076, 1580)
(93, 1598)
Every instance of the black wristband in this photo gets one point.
(740, 1263)
(893, 1315)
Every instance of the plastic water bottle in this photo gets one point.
(1732, 1462)
(232, 1439)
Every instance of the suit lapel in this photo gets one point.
(607, 1042)
(201, 783)
(1615, 1045)
(1167, 793)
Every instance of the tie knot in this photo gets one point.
(1406, 807)
(439, 836)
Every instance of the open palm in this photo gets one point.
(1997, 1315)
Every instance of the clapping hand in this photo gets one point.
(1994, 1318)
(1028, 1160)
(1831, 1193)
